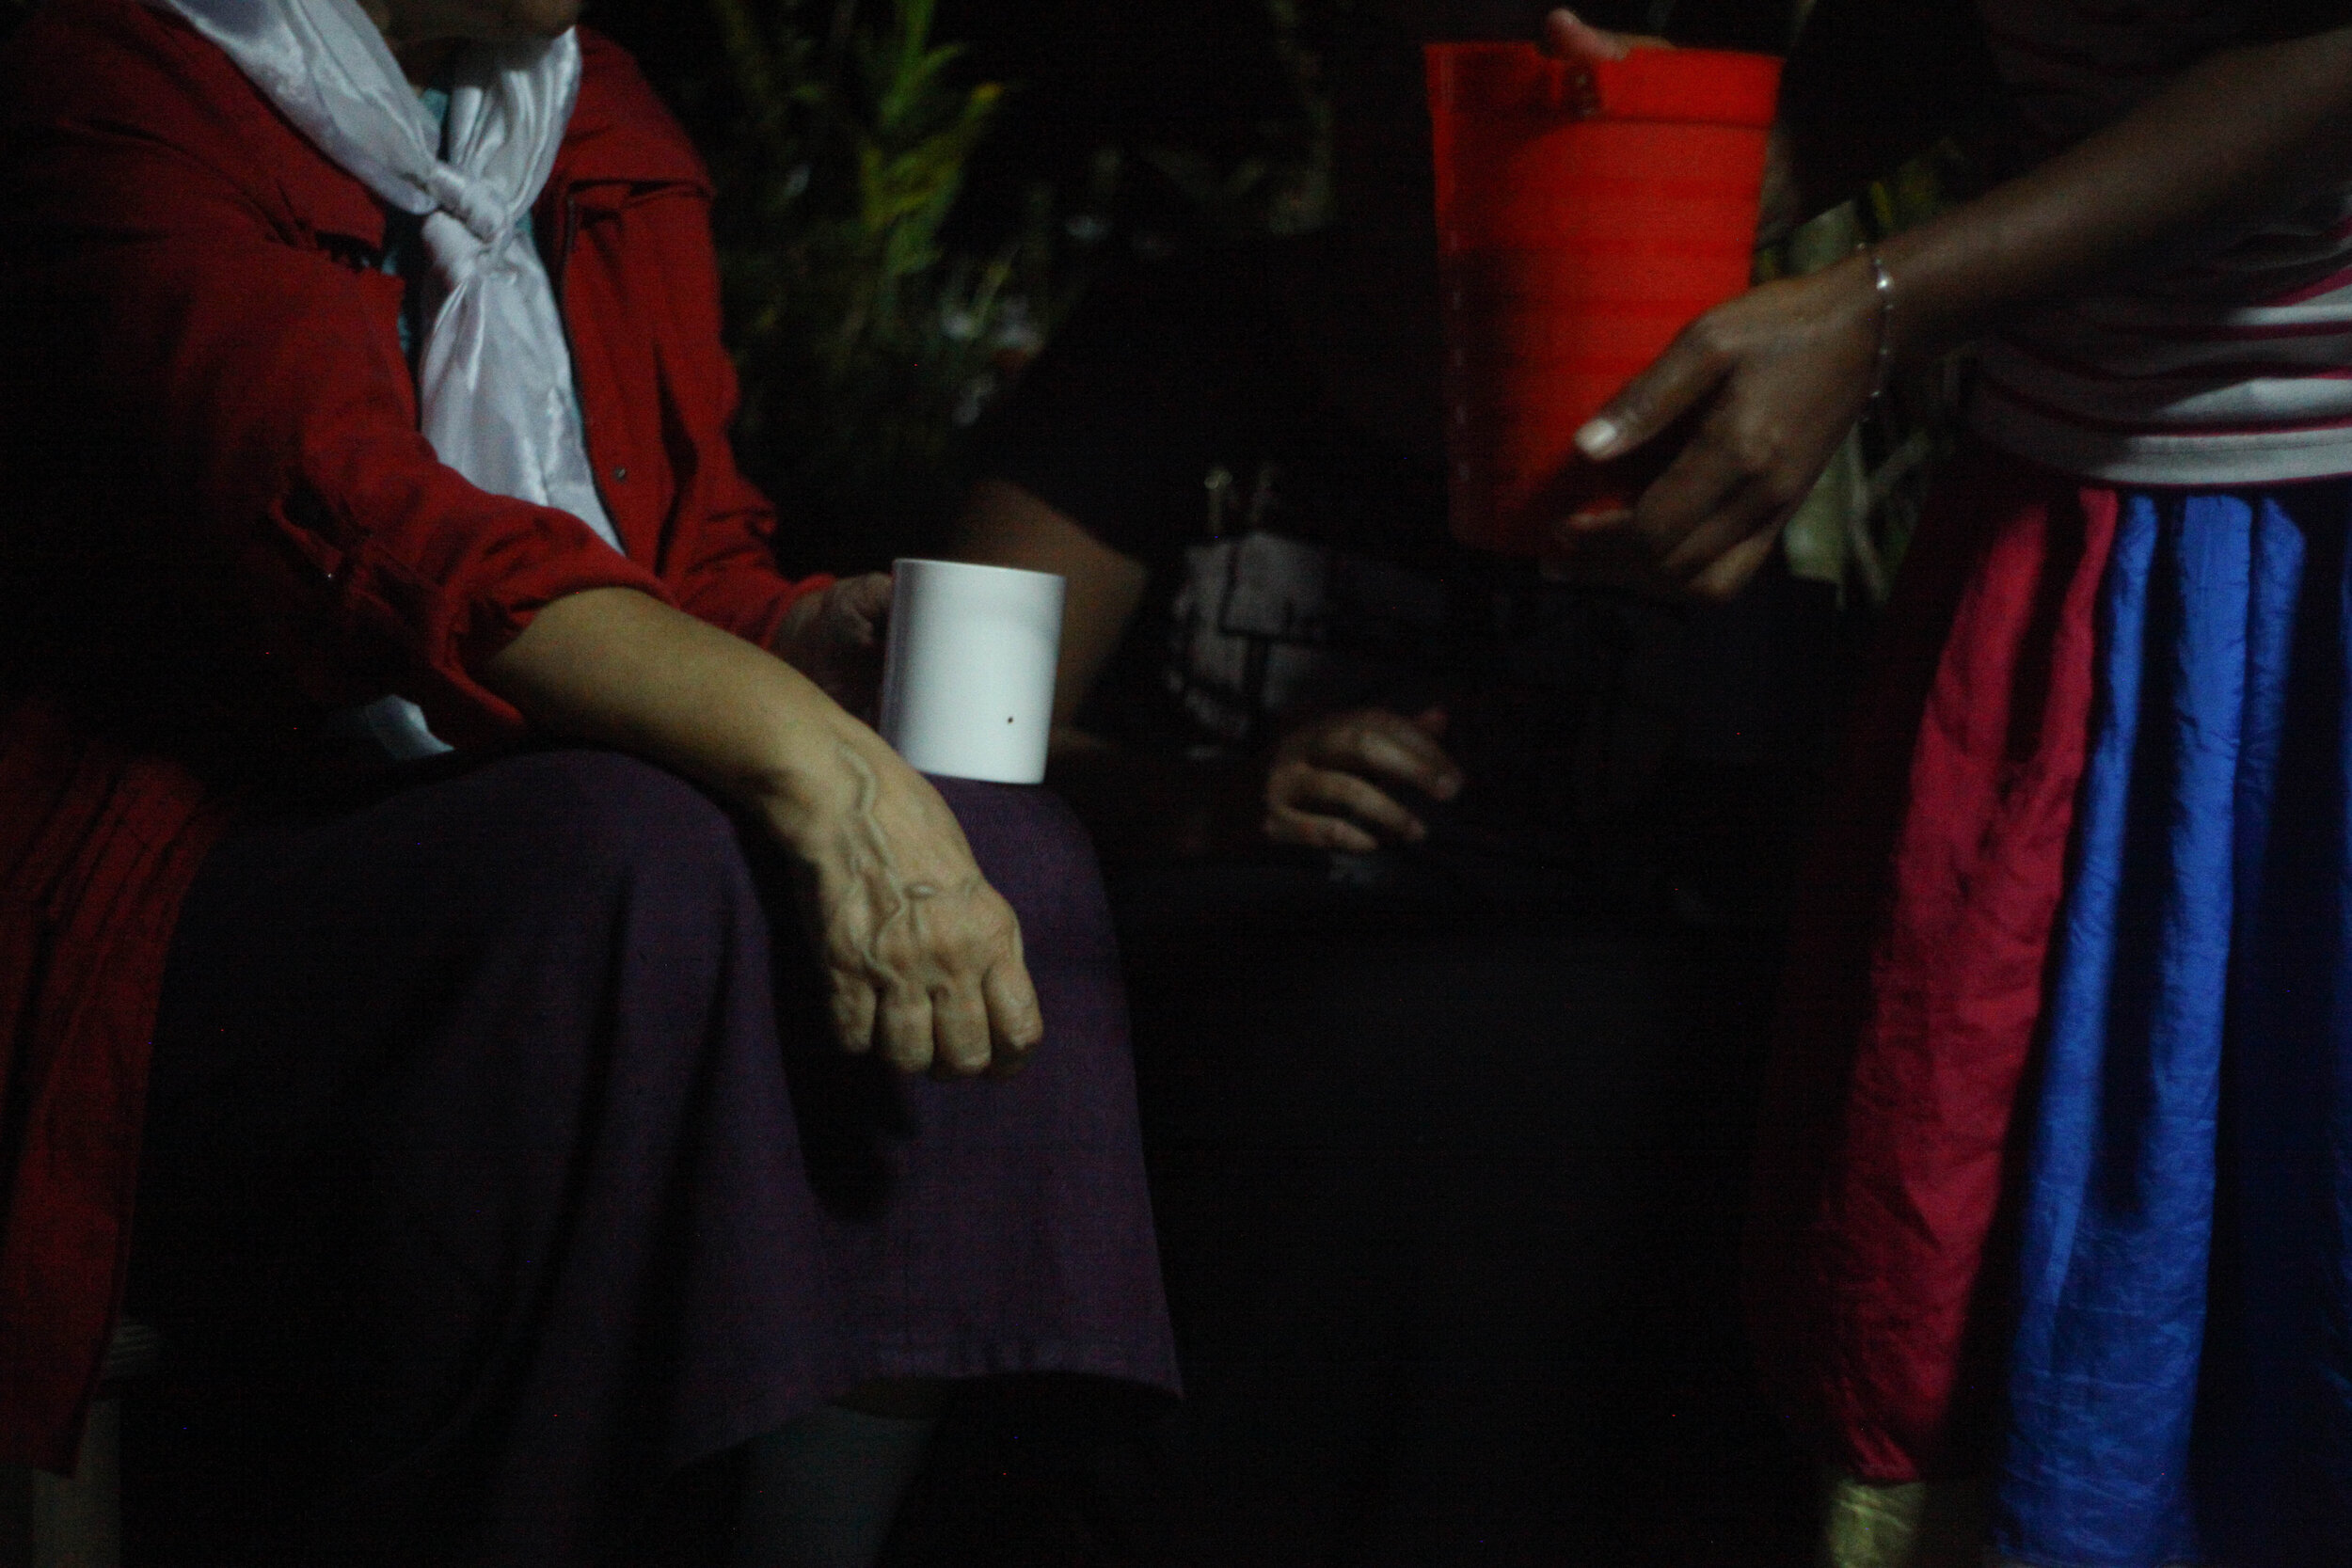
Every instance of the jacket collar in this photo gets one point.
(621, 139)
(621, 133)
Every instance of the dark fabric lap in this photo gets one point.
(499, 1165)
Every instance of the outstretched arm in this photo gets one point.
(1774, 379)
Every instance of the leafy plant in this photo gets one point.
(866, 344)
(869, 339)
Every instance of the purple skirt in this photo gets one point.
(500, 1165)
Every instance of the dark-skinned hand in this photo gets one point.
(1329, 785)
(1769, 384)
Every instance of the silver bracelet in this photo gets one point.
(1885, 287)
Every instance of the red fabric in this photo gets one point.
(224, 524)
(1917, 979)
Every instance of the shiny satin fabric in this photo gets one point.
(493, 373)
(2180, 1388)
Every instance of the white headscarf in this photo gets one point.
(494, 373)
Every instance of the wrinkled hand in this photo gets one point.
(834, 637)
(924, 957)
(1326, 787)
(1771, 383)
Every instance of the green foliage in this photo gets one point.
(866, 344)
(1854, 529)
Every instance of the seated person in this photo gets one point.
(1428, 1130)
(444, 884)
(1234, 453)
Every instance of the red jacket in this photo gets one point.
(224, 524)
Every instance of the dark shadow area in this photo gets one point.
(1447, 1201)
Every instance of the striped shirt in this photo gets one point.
(2229, 361)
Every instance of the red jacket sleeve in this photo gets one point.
(641, 289)
(728, 576)
(163, 230)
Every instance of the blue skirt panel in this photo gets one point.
(2181, 1383)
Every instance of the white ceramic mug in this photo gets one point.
(968, 670)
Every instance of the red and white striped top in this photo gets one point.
(2230, 362)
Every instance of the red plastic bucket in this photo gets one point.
(1585, 214)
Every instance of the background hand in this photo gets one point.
(1321, 791)
(1770, 382)
(1570, 37)
(834, 637)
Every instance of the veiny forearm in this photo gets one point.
(622, 669)
(2242, 134)
(923, 958)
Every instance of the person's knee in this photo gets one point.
(612, 894)
(609, 820)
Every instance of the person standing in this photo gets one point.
(2053, 1194)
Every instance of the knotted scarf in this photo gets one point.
(494, 372)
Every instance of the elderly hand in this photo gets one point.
(1321, 789)
(924, 957)
(1767, 384)
(834, 637)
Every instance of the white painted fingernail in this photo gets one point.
(1598, 437)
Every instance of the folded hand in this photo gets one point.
(1329, 786)
(922, 956)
